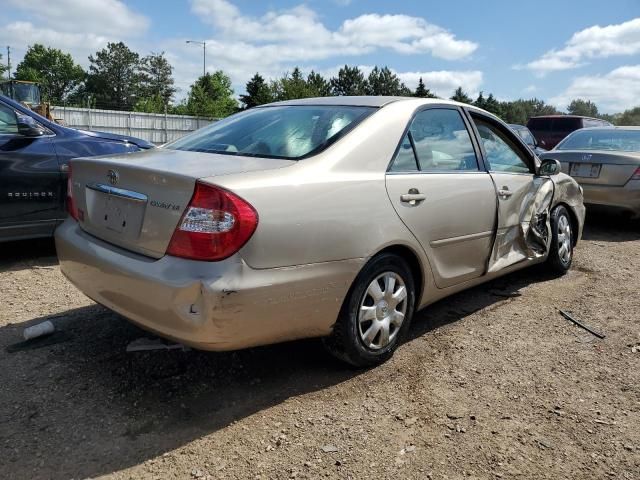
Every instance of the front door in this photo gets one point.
(444, 198)
(30, 181)
(523, 198)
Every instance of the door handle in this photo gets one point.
(412, 198)
(505, 192)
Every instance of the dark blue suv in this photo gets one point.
(34, 153)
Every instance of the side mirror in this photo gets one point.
(28, 127)
(548, 167)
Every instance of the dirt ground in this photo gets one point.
(493, 383)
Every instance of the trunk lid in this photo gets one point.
(592, 167)
(135, 200)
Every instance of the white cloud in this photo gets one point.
(616, 91)
(79, 45)
(530, 89)
(300, 34)
(594, 42)
(96, 17)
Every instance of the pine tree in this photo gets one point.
(422, 91)
(258, 92)
(350, 81)
(460, 96)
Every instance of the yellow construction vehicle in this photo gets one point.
(28, 94)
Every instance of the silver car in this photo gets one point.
(331, 217)
(605, 161)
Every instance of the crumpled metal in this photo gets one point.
(531, 238)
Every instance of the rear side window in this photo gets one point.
(289, 132)
(437, 141)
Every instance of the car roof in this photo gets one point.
(359, 101)
(614, 127)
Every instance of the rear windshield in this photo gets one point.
(602, 139)
(289, 132)
(539, 124)
(566, 125)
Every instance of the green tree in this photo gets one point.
(258, 92)
(291, 86)
(55, 71)
(156, 80)
(350, 81)
(211, 96)
(583, 107)
(422, 91)
(460, 96)
(629, 117)
(114, 77)
(490, 104)
(151, 104)
(3, 67)
(520, 111)
(318, 85)
(382, 81)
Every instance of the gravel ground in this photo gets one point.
(493, 383)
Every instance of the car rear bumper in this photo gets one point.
(222, 305)
(626, 197)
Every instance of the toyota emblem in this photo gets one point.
(113, 177)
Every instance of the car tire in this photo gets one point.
(373, 321)
(561, 248)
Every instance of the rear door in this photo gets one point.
(439, 191)
(30, 181)
(524, 199)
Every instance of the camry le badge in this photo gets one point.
(113, 177)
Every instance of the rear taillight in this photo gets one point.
(215, 225)
(71, 204)
(636, 174)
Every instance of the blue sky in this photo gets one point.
(555, 50)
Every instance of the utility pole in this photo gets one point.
(9, 62)
(204, 54)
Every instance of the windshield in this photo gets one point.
(289, 132)
(602, 139)
(26, 92)
(525, 135)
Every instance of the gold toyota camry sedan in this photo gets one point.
(329, 217)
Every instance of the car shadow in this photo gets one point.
(40, 252)
(607, 226)
(90, 409)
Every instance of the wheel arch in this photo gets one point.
(413, 262)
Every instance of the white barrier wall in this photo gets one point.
(153, 127)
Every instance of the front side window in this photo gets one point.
(437, 141)
(501, 153)
(602, 139)
(288, 132)
(8, 121)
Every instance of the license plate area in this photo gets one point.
(116, 210)
(585, 170)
